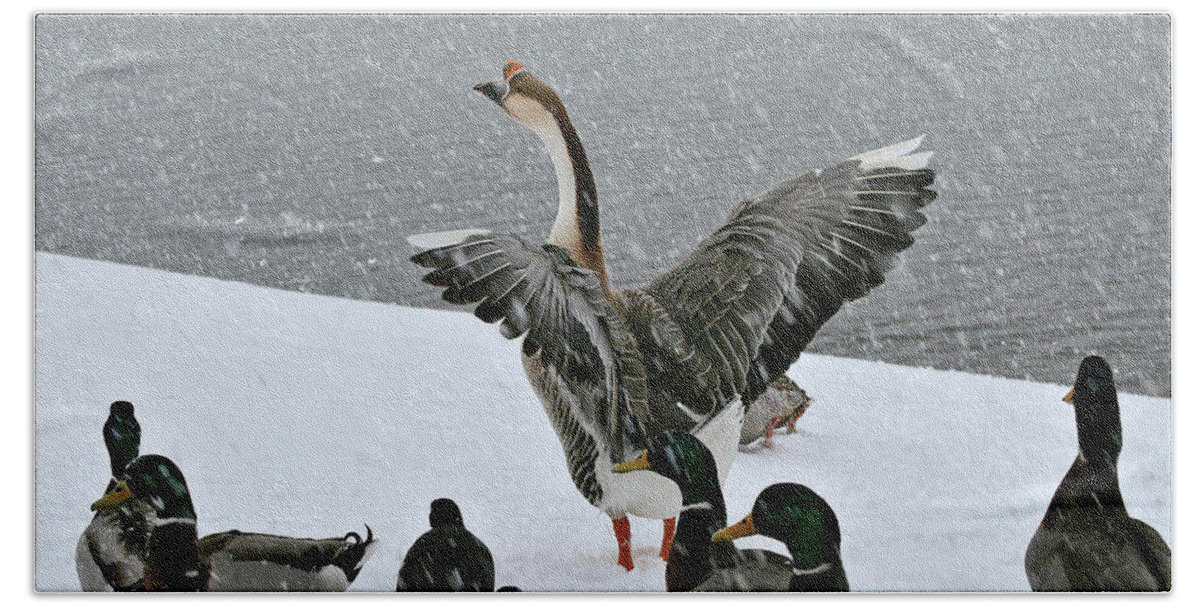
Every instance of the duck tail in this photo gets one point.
(356, 553)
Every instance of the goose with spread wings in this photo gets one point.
(691, 350)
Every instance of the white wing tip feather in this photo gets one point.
(433, 240)
(896, 155)
(720, 435)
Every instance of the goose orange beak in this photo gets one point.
(641, 463)
(119, 494)
(738, 530)
(1070, 396)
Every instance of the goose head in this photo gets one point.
(536, 106)
(526, 99)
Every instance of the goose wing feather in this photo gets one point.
(753, 294)
(568, 325)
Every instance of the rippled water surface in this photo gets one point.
(297, 151)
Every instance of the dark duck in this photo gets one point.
(1087, 541)
(447, 557)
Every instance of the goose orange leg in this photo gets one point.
(668, 538)
(621, 529)
(767, 441)
(792, 422)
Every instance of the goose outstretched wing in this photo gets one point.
(754, 293)
(568, 325)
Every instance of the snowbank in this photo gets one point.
(310, 415)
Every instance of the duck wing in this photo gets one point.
(754, 293)
(1155, 552)
(755, 570)
(114, 546)
(1090, 551)
(248, 561)
(569, 327)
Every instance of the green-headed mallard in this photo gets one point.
(176, 560)
(172, 556)
(613, 368)
(447, 557)
(696, 563)
(796, 516)
(1087, 541)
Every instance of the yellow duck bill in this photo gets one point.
(738, 530)
(641, 463)
(119, 494)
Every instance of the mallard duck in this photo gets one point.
(110, 555)
(1087, 541)
(447, 557)
(613, 368)
(796, 516)
(780, 405)
(695, 562)
(172, 556)
(176, 560)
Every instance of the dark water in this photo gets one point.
(298, 151)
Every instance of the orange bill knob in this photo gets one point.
(510, 68)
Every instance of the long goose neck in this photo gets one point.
(577, 223)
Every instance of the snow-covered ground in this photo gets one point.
(310, 415)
